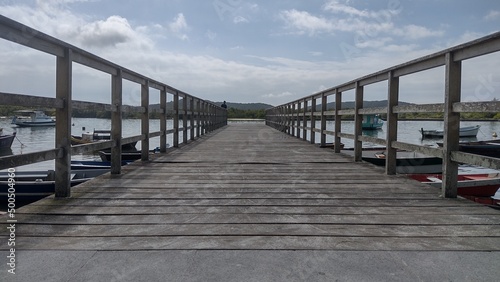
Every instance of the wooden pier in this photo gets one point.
(250, 187)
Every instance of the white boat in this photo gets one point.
(469, 131)
(35, 119)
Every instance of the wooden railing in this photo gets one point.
(198, 116)
(292, 117)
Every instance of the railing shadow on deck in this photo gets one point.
(198, 116)
(292, 117)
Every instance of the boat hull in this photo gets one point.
(470, 131)
(475, 185)
(6, 141)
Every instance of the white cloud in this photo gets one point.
(240, 19)
(305, 22)
(179, 26)
(417, 32)
(492, 15)
(279, 95)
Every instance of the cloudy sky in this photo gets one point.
(253, 51)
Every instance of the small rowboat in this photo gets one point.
(469, 131)
(477, 185)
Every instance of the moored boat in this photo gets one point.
(79, 165)
(478, 185)
(406, 162)
(97, 136)
(469, 131)
(36, 119)
(489, 148)
(31, 186)
(372, 122)
(6, 140)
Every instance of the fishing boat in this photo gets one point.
(479, 188)
(478, 185)
(406, 162)
(126, 156)
(469, 131)
(80, 165)
(490, 148)
(372, 122)
(35, 119)
(6, 140)
(98, 136)
(31, 186)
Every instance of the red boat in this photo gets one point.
(475, 185)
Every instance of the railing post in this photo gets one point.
(313, 120)
(145, 121)
(453, 81)
(163, 120)
(116, 122)
(358, 121)
(64, 72)
(299, 124)
(338, 120)
(292, 117)
(324, 101)
(304, 117)
(198, 118)
(392, 123)
(191, 109)
(176, 119)
(203, 118)
(184, 119)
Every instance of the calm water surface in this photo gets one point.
(37, 139)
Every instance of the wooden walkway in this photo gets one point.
(250, 187)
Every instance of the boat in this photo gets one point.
(79, 165)
(469, 131)
(36, 119)
(480, 188)
(489, 148)
(6, 140)
(126, 155)
(32, 186)
(372, 122)
(97, 136)
(406, 162)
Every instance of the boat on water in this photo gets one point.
(34, 185)
(406, 162)
(35, 119)
(6, 140)
(489, 148)
(98, 136)
(468, 131)
(126, 156)
(372, 122)
(80, 165)
(480, 188)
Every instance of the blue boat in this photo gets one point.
(372, 122)
(6, 140)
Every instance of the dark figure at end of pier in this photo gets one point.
(224, 105)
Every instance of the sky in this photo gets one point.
(253, 51)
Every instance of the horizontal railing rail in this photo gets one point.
(198, 116)
(293, 117)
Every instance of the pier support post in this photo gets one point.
(64, 72)
(304, 120)
(453, 82)
(313, 120)
(185, 119)
(145, 121)
(163, 121)
(176, 119)
(338, 120)
(191, 109)
(116, 122)
(358, 123)
(324, 101)
(392, 123)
